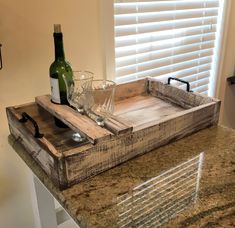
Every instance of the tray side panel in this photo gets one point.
(49, 163)
(117, 125)
(131, 89)
(177, 96)
(111, 153)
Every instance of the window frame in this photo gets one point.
(108, 44)
(107, 38)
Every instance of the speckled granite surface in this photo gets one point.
(96, 202)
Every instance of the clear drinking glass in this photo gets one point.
(102, 100)
(78, 89)
(78, 93)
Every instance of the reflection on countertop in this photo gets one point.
(161, 198)
(159, 186)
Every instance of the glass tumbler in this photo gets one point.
(102, 100)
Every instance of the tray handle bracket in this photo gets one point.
(1, 64)
(25, 118)
(179, 80)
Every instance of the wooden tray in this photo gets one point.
(148, 114)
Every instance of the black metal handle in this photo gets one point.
(1, 57)
(231, 80)
(180, 80)
(25, 118)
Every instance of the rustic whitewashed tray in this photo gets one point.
(148, 114)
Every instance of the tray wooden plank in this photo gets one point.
(131, 89)
(178, 96)
(60, 138)
(74, 120)
(142, 109)
(118, 126)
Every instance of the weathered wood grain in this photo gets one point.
(131, 89)
(117, 125)
(142, 110)
(139, 142)
(163, 115)
(76, 121)
(44, 143)
(177, 96)
(60, 138)
(41, 150)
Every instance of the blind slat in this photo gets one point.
(164, 35)
(166, 38)
(184, 73)
(163, 62)
(195, 77)
(160, 45)
(169, 1)
(154, 72)
(128, 19)
(160, 26)
(188, 72)
(158, 6)
(163, 53)
(196, 83)
(201, 89)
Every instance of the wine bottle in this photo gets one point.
(58, 68)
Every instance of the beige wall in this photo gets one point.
(226, 92)
(26, 34)
(26, 28)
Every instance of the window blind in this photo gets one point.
(165, 38)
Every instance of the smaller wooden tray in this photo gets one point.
(83, 124)
(148, 114)
(74, 120)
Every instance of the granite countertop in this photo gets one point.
(188, 183)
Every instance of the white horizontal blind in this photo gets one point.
(166, 38)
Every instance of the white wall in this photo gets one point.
(26, 29)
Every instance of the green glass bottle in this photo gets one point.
(58, 68)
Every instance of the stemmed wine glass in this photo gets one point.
(78, 90)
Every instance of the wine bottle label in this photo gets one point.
(55, 91)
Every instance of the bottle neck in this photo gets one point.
(59, 48)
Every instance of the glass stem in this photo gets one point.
(98, 119)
